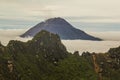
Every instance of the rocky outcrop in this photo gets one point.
(46, 58)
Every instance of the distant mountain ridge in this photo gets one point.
(61, 27)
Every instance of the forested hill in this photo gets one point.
(46, 58)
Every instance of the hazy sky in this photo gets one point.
(29, 12)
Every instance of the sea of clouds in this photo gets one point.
(11, 34)
(111, 40)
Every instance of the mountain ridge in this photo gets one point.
(61, 27)
(46, 58)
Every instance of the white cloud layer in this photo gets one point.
(90, 46)
(11, 34)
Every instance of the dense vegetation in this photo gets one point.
(46, 58)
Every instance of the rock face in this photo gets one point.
(32, 59)
(61, 27)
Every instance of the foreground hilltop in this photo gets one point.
(46, 58)
(61, 27)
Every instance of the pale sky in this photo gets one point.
(92, 11)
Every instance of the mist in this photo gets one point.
(90, 46)
(111, 40)
(11, 34)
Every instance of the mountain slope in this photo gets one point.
(46, 58)
(42, 58)
(61, 27)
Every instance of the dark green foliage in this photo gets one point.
(76, 68)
